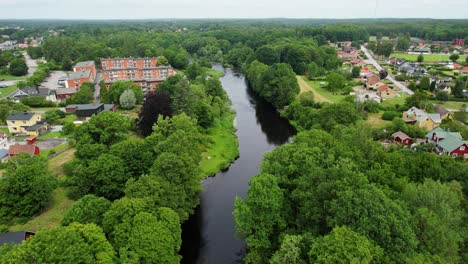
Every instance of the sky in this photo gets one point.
(145, 9)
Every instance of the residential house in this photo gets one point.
(88, 110)
(348, 55)
(365, 72)
(464, 70)
(34, 91)
(443, 112)
(386, 92)
(357, 62)
(142, 71)
(372, 81)
(5, 141)
(449, 143)
(76, 79)
(402, 138)
(443, 87)
(15, 238)
(64, 93)
(19, 122)
(4, 155)
(17, 149)
(421, 118)
(422, 50)
(458, 42)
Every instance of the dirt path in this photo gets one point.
(306, 87)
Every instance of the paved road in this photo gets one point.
(32, 64)
(371, 60)
(97, 88)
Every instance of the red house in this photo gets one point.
(402, 138)
(64, 93)
(28, 149)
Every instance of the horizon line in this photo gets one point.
(234, 18)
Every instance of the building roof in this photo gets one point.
(373, 79)
(401, 135)
(35, 127)
(20, 116)
(61, 91)
(84, 106)
(441, 110)
(450, 143)
(17, 149)
(84, 63)
(108, 107)
(383, 88)
(3, 153)
(435, 117)
(80, 74)
(421, 115)
(443, 133)
(14, 237)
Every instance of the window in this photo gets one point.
(454, 155)
(462, 148)
(24, 122)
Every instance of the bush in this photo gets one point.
(37, 101)
(442, 96)
(390, 115)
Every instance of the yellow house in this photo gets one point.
(421, 118)
(20, 122)
(385, 92)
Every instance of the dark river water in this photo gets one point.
(209, 236)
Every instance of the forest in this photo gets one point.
(333, 195)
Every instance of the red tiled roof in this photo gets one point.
(465, 69)
(383, 88)
(17, 149)
(371, 80)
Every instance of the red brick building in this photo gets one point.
(142, 71)
(84, 71)
(86, 66)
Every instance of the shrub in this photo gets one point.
(390, 115)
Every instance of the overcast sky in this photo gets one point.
(139, 9)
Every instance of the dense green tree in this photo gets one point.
(76, 243)
(403, 44)
(454, 57)
(18, 67)
(106, 128)
(127, 99)
(289, 252)
(442, 96)
(280, 86)
(26, 187)
(119, 87)
(343, 245)
(162, 61)
(89, 209)
(237, 56)
(150, 241)
(355, 72)
(52, 116)
(368, 211)
(83, 96)
(259, 217)
(424, 84)
(335, 81)
(420, 58)
(137, 156)
(313, 71)
(267, 55)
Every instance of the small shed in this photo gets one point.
(402, 138)
(15, 237)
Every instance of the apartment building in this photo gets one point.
(142, 71)
(84, 71)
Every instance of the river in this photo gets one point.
(209, 236)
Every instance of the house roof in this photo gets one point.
(61, 91)
(383, 88)
(3, 153)
(465, 69)
(13, 237)
(435, 117)
(35, 127)
(84, 106)
(20, 116)
(441, 110)
(371, 80)
(365, 70)
(17, 149)
(108, 106)
(80, 74)
(443, 133)
(450, 143)
(421, 115)
(401, 135)
(84, 63)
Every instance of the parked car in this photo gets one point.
(3, 86)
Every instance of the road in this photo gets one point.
(371, 60)
(32, 64)
(97, 88)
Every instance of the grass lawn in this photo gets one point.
(400, 100)
(375, 120)
(7, 77)
(215, 73)
(5, 130)
(55, 134)
(451, 104)
(56, 164)
(51, 216)
(68, 118)
(6, 91)
(427, 57)
(224, 148)
(321, 94)
(58, 148)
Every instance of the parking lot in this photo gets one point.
(51, 81)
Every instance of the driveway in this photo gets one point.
(32, 64)
(371, 60)
(97, 88)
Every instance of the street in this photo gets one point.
(371, 60)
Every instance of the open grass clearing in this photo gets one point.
(321, 94)
(427, 57)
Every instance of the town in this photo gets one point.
(219, 141)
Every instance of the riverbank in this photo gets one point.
(223, 149)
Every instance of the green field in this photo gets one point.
(323, 92)
(224, 147)
(427, 57)
(455, 105)
(11, 77)
(398, 100)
